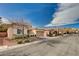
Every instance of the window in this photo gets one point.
(19, 31)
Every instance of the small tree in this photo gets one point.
(3, 27)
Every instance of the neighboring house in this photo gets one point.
(42, 32)
(32, 32)
(39, 32)
(15, 28)
(18, 29)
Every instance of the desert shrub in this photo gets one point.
(26, 41)
(3, 29)
(19, 42)
(20, 36)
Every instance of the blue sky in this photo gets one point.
(38, 14)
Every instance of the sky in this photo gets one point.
(38, 14)
(43, 14)
(67, 15)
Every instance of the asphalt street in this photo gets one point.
(62, 46)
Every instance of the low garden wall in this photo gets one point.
(7, 42)
(3, 34)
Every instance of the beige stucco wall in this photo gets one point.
(25, 30)
(10, 32)
(46, 33)
(13, 31)
(19, 27)
(34, 31)
(40, 33)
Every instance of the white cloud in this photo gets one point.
(48, 25)
(4, 20)
(67, 13)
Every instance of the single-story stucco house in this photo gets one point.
(15, 28)
(10, 29)
(38, 32)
